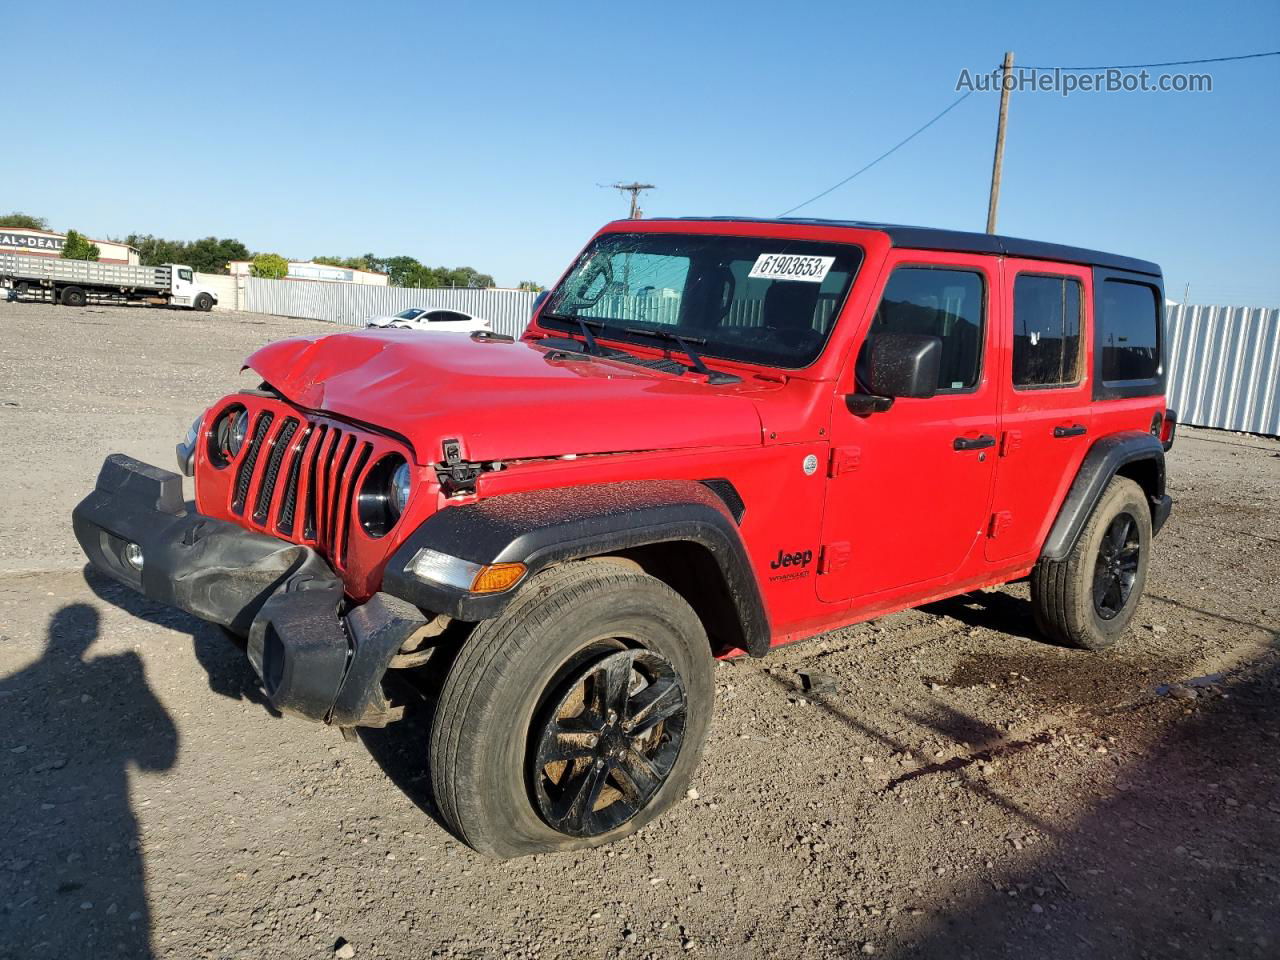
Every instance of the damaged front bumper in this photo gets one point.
(316, 659)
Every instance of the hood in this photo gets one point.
(503, 401)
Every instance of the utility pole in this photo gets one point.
(633, 189)
(1006, 78)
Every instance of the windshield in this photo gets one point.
(754, 299)
(408, 315)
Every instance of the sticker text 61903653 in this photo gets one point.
(785, 266)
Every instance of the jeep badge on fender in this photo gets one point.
(552, 538)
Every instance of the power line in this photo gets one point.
(1167, 63)
(901, 143)
(956, 103)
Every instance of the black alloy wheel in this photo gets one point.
(605, 748)
(1116, 567)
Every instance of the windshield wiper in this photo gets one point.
(585, 326)
(695, 360)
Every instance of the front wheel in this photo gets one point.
(203, 302)
(1088, 599)
(576, 716)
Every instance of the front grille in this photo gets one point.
(300, 479)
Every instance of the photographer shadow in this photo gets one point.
(76, 727)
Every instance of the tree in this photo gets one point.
(272, 266)
(348, 263)
(79, 247)
(207, 255)
(531, 286)
(16, 219)
(211, 254)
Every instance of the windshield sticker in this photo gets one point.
(784, 266)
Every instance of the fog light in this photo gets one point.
(497, 577)
(133, 555)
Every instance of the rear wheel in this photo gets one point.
(575, 717)
(203, 302)
(73, 297)
(1088, 599)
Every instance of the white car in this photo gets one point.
(425, 318)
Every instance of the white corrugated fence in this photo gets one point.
(352, 304)
(1224, 367)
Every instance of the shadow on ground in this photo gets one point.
(218, 652)
(75, 725)
(1180, 858)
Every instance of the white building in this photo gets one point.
(306, 270)
(42, 243)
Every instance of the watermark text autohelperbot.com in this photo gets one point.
(1066, 82)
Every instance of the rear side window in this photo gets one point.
(947, 304)
(446, 316)
(1046, 331)
(1128, 331)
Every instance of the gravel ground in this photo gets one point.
(958, 789)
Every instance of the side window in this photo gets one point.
(942, 303)
(444, 316)
(1046, 331)
(184, 275)
(1128, 331)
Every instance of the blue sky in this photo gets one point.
(476, 133)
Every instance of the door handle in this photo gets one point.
(1075, 430)
(974, 443)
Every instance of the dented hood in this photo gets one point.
(503, 401)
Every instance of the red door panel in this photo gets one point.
(909, 493)
(1046, 417)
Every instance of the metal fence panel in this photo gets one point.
(1224, 367)
(352, 304)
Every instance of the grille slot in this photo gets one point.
(279, 447)
(244, 476)
(335, 489)
(313, 481)
(289, 504)
(349, 501)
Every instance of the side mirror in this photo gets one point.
(892, 365)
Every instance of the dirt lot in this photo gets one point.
(961, 790)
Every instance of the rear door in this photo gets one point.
(1046, 418)
(910, 488)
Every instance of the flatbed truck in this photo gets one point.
(75, 283)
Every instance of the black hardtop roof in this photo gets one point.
(964, 241)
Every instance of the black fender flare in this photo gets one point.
(543, 527)
(1105, 459)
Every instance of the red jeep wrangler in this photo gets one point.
(717, 435)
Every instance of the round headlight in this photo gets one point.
(236, 433)
(384, 494)
(400, 485)
(227, 435)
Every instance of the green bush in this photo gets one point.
(271, 266)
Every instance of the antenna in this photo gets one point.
(634, 189)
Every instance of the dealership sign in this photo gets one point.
(28, 242)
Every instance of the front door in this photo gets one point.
(909, 493)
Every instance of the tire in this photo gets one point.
(203, 302)
(73, 297)
(1077, 604)
(514, 672)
